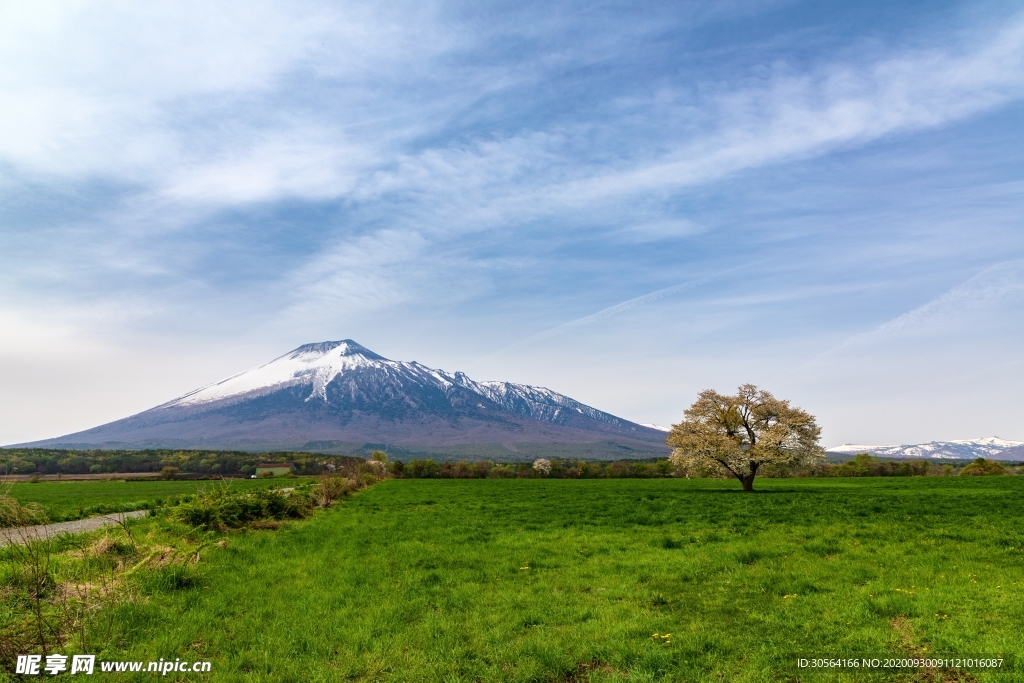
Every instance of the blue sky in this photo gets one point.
(625, 202)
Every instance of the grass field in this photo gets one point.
(66, 500)
(567, 580)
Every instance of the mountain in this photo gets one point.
(341, 397)
(991, 447)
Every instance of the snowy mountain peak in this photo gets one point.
(345, 347)
(314, 364)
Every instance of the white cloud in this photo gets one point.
(192, 101)
(422, 130)
(984, 301)
(794, 116)
(354, 276)
(141, 93)
(948, 369)
(294, 165)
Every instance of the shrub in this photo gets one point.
(330, 488)
(421, 469)
(15, 514)
(982, 467)
(501, 472)
(220, 509)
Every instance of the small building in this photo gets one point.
(274, 469)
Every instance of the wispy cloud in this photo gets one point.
(311, 169)
(795, 115)
(622, 307)
(951, 312)
(353, 277)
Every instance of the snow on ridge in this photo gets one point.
(856, 448)
(537, 401)
(315, 364)
(955, 450)
(991, 441)
(651, 425)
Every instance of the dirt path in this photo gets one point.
(23, 534)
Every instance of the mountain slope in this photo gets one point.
(988, 447)
(340, 396)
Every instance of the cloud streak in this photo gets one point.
(622, 307)
(949, 312)
(314, 170)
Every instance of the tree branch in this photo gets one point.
(726, 466)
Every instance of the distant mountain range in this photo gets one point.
(991, 447)
(339, 397)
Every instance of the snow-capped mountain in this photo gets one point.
(340, 396)
(988, 447)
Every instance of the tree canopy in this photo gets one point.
(740, 433)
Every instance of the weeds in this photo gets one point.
(14, 513)
(49, 603)
(61, 594)
(219, 508)
(330, 488)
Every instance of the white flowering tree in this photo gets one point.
(738, 434)
(378, 460)
(542, 465)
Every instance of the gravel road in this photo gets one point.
(23, 534)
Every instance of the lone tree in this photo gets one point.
(742, 432)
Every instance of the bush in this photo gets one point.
(220, 509)
(421, 469)
(501, 472)
(982, 467)
(15, 514)
(330, 488)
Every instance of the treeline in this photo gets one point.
(570, 469)
(240, 463)
(863, 465)
(215, 463)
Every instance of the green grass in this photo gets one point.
(67, 500)
(427, 580)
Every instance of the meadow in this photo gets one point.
(570, 580)
(67, 500)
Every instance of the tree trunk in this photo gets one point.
(748, 479)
